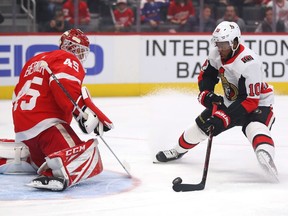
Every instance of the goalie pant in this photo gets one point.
(59, 152)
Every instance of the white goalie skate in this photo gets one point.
(267, 163)
(48, 183)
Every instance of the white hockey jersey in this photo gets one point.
(242, 78)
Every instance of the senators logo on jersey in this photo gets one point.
(230, 90)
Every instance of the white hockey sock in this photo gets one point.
(190, 138)
(260, 137)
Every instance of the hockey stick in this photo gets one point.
(125, 168)
(44, 64)
(177, 182)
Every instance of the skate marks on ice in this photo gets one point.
(13, 187)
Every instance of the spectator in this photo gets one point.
(216, 3)
(44, 14)
(267, 23)
(58, 23)
(151, 14)
(1, 17)
(281, 11)
(231, 16)
(252, 2)
(83, 14)
(123, 17)
(265, 2)
(243, 3)
(209, 24)
(179, 12)
(95, 6)
(144, 1)
(55, 5)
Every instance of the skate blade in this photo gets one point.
(266, 166)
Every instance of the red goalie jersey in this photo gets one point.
(37, 93)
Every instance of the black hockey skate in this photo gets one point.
(169, 155)
(267, 163)
(49, 183)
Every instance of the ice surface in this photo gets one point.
(236, 185)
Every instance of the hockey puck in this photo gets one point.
(177, 180)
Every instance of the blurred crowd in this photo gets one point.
(161, 15)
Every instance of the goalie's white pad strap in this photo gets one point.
(10, 149)
(13, 158)
(77, 163)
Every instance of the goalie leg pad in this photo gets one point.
(14, 158)
(75, 164)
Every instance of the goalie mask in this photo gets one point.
(75, 42)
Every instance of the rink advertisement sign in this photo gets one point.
(179, 58)
(109, 61)
(141, 59)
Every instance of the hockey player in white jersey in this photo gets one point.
(247, 99)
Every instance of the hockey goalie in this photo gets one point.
(42, 114)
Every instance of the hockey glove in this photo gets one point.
(207, 98)
(100, 129)
(220, 121)
(90, 123)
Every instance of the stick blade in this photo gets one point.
(188, 187)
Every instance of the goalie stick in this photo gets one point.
(45, 65)
(177, 182)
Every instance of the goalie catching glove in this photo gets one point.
(92, 119)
